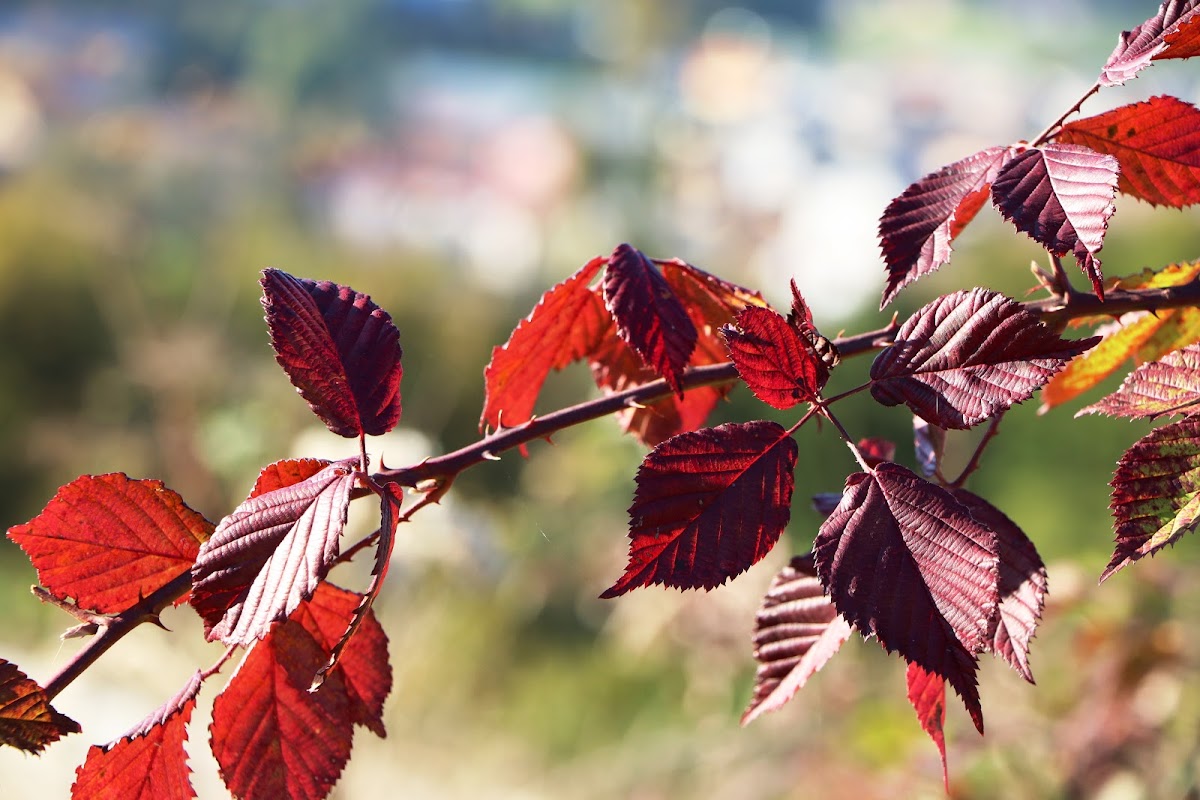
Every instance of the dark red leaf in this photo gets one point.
(1169, 386)
(905, 561)
(929, 441)
(339, 349)
(649, 316)
(797, 630)
(1170, 33)
(27, 720)
(1156, 492)
(109, 540)
(779, 365)
(916, 229)
(270, 554)
(927, 693)
(1157, 143)
(363, 664)
(709, 504)
(286, 473)
(1061, 195)
(568, 323)
(968, 355)
(148, 762)
(271, 737)
(1022, 584)
(875, 451)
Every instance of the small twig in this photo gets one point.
(1053, 127)
(973, 464)
(215, 668)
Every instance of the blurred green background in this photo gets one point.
(454, 158)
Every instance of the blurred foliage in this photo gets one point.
(454, 159)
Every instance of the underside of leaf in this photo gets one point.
(1171, 33)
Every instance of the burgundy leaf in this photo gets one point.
(649, 316)
(1022, 584)
(1156, 492)
(271, 737)
(916, 229)
(778, 364)
(709, 504)
(270, 553)
(929, 441)
(1169, 386)
(567, 324)
(1061, 195)
(1168, 34)
(927, 693)
(109, 540)
(148, 762)
(27, 720)
(339, 349)
(905, 561)
(1157, 143)
(968, 355)
(797, 630)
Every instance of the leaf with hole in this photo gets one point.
(967, 356)
(1156, 492)
(917, 228)
(709, 504)
(110, 540)
(147, 763)
(1157, 143)
(797, 630)
(339, 349)
(270, 554)
(903, 560)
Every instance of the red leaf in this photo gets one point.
(363, 665)
(1169, 386)
(109, 540)
(875, 451)
(286, 473)
(779, 365)
(1171, 33)
(271, 737)
(1156, 492)
(1022, 584)
(339, 349)
(148, 762)
(927, 693)
(916, 229)
(797, 630)
(905, 561)
(27, 720)
(1157, 144)
(968, 355)
(649, 316)
(709, 504)
(270, 554)
(567, 324)
(1061, 195)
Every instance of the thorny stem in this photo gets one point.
(1054, 311)
(1053, 127)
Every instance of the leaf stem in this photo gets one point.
(973, 464)
(1053, 127)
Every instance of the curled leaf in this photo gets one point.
(339, 349)
(709, 504)
(797, 630)
(1171, 33)
(967, 356)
